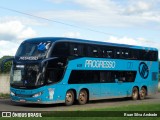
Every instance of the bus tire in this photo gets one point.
(135, 93)
(83, 97)
(69, 100)
(142, 93)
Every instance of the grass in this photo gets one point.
(145, 108)
(4, 96)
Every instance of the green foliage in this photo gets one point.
(7, 65)
(4, 95)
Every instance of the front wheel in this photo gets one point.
(82, 98)
(69, 98)
(142, 94)
(135, 93)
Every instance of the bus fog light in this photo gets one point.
(37, 94)
(12, 94)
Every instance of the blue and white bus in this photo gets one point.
(64, 70)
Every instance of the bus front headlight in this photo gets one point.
(12, 94)
(37, 94)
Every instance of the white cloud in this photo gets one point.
(131, 41)
(71, 34)
(15, 30)
(139, 7)
(123, 40)
(27, 33)
(11, 34)
(8, 48)
(108, 13)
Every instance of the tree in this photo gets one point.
(7, 65)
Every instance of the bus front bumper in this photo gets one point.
(38, 96)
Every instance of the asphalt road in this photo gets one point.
(7, 105)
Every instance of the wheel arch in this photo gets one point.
(136, 87)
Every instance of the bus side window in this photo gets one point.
(80, 76)
(130, 76)
(109, 54)
(76, 49)
(89, 51)
(134, 54)
(103, 77)
(106, 77)
(92, 51)
(127, 54)
(153, 55)
(60, 49)
(122, 76)
(95, 51)
(118, 53)
(100, 51)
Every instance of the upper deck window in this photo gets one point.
(60, 49)
(29, 49)
(76, 49)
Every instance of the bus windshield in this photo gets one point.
(29, 49)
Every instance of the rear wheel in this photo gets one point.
(135, 93)
(83, 97)
(69, 98)
(142, 94)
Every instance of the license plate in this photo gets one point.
(22, 100)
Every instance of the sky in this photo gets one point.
(134, 22)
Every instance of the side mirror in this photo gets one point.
(4, 61)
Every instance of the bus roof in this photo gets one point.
(58, 39)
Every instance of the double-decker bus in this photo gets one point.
(65, 70)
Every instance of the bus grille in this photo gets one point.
(24, 96)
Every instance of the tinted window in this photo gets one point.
(92, 51)
(118, 54)
(108, 53)
(80, 76)
(76, 49)
(148, 55)
(94, 76)
(60, 49)
(38, 49)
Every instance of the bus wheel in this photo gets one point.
(143, 93)
(82, 98)
(135, 93)
(69, 98)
